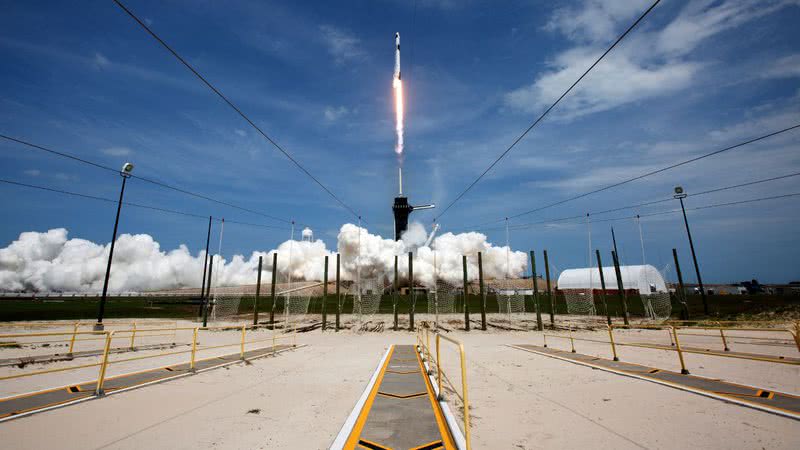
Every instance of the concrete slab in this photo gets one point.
(771, 401)
(46, 399)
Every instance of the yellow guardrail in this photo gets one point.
(675, 345)
(108, 336)
(77, 325)
(423, 343)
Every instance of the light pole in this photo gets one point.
(127, 168)
(680, 195)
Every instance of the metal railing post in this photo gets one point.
(613, 345)
(72, 340)
(724, 341)
(133, 334)
(194, 349)
(571, 340)
(680, 353)
(241, 346)
(101, 377)
(544, 337)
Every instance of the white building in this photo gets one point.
(646, 279)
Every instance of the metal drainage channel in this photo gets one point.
(775, 402)
(24, 404)
(398, 410)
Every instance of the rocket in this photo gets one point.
(397, 57)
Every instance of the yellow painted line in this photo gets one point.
(352, 440)
(447, 439)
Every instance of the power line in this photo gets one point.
(135, 205)
(658, 213)
(697, 208)
(547, 111)
(649, 203)
(233, 106)
(651, 173)
(147, 180)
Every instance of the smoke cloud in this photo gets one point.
(52, 262)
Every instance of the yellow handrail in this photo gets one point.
(465, 398)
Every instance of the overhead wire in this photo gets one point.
(650, 173)
(550, 108)
(138, 177)
(648, 203)
(127, 203)
(244, 116)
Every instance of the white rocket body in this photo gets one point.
(397, 57)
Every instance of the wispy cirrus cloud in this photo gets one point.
(342, 44)
(649, 63)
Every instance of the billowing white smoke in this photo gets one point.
(50, 262)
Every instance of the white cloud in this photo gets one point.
(117, 151)
(239, 132)
(333, 114)
(33, 172)
(786, 67)
(648, 64)
(50, 261)
(342, 45)
(100, 61)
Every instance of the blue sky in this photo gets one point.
(694, 77)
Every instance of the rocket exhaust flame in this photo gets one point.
(397, 84)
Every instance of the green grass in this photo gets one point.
(722, 307)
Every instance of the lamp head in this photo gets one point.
(679, 193)
(126, 170)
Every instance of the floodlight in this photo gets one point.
(127, 169)
(679, 192)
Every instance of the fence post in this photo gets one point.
(241, 346)
(338, 298)
(72, 340)
(258, 291)
(680, 352)
(205, 304)
(194, 348)
(103, 365)
(395, 286)
(272, 288)
(133, 335)
(682, 297)
(466, 292)
(620, 287)
(482, 291)
(549, 291)
(325, 295)
(412, 303)
(611, 338)
(724, 342)
(603, 286)
(536, 302)
(571, 340)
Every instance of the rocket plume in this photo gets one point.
(397, 84)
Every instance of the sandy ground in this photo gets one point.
(518, 400)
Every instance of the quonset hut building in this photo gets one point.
(644, 278)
